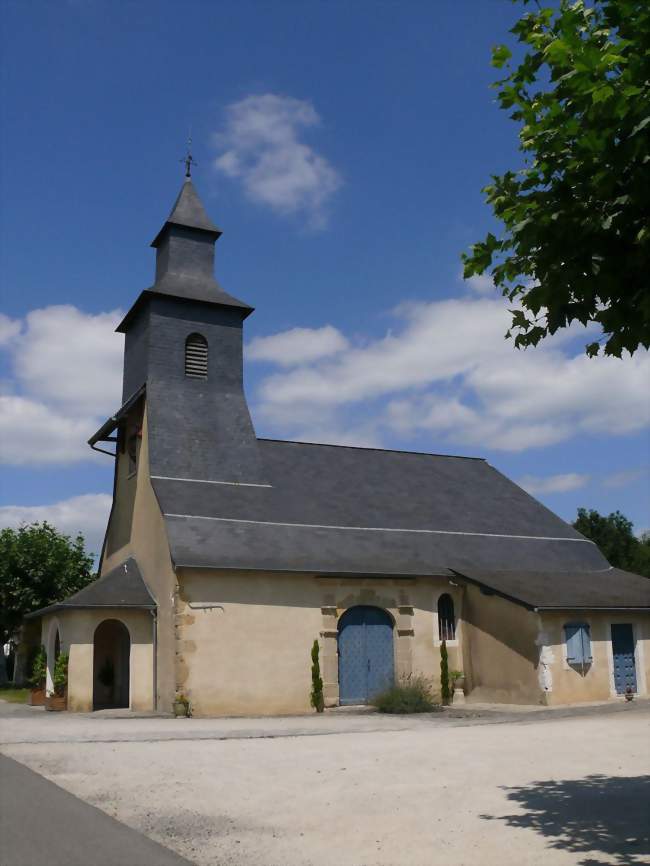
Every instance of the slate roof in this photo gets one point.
(123, 586)
(340, 510)
(608, 589)
(188, 211)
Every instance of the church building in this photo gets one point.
(227, 555)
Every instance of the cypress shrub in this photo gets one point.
(317, 700)
(445, 688)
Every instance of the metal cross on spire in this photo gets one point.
(188, 159)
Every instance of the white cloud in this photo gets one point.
(446, 369)
(482, 284)
(553, 483)
(625, 477)
(67, 370)
(9, 329)
(87, 514)
(72, 359)
(260, 146)
(33, 433)
(297, 346)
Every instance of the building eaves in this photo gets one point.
(111, 423)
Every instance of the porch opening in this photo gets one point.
(111, 665)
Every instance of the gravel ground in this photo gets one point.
(485, 786)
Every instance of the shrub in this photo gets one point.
(445, 689)
(39, 669)
(61, 674)
(410, 695)
(317, 700)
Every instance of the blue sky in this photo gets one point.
(342, 148)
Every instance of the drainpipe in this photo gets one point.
(154, 624)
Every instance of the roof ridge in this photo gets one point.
(370, 448)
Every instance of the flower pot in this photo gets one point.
(37, 698)
(56, 703)
(459, 683)
(629, 694)
(181, 709)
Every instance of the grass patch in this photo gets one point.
(410, 695)
(14, 696)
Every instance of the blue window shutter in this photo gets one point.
(573, 638)
(586, 643)
(578, 643)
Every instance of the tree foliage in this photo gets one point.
(38, 566)
(575, 242)
(616, 540)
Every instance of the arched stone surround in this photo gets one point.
(337, 595)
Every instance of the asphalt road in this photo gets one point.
(41, 823)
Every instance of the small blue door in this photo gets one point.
(623, 652)
(366, 660)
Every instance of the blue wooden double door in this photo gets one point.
(623, 654)
(366, 655)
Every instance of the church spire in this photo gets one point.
(188, 211)
(185, 257)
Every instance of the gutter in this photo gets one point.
(591, 607)
(154, 627)
(103, 434)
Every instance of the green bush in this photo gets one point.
(410, 695)
(61, 674)
(445, 688)
(39, 669)
(317, 700)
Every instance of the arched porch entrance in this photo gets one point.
(366, 654)
(111, 664)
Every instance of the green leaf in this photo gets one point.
(602, 94)
(500, 56)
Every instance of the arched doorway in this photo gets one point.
(111, 661)
(366, 655)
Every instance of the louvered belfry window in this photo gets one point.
(196, 357)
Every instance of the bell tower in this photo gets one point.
(184, 347)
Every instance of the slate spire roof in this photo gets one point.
(188, 211)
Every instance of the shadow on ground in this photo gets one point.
(606, 818)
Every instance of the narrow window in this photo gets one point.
(446, 620)
(196, 357)
(578, 643)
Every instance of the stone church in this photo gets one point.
(227, 555)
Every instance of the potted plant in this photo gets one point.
(629, 693)
(457, 680)
(58, 700)
(37, 678)
(181, 707)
